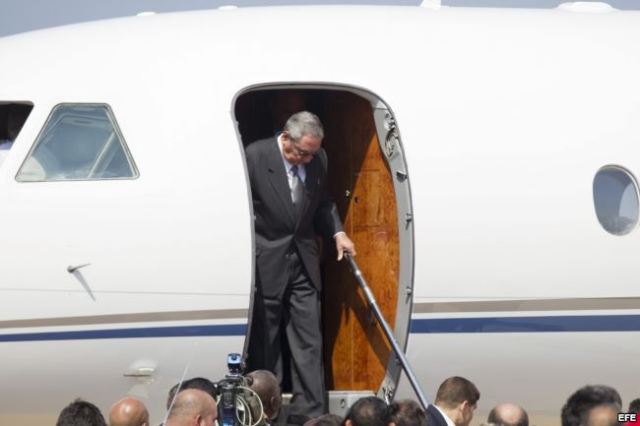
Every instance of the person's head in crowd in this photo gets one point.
(80, 413)
(193, 407)
(265, 384)
(458, 398)
(602, 415)
(284, 103)
(576, 410)
(508, 415)
(325, 420)
(129, 412)
(368, 411)
(407, 413)
(200, 383)
(634, 406)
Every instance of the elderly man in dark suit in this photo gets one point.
(288, 176)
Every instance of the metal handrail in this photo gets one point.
(387, 330)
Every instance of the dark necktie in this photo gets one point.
(296, 188)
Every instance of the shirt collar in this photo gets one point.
(287, 165)
(446, 418)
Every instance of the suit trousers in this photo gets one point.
(294, 315)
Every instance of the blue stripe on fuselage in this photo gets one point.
(131, 333)
(537, 324)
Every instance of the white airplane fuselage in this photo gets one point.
(504, 118)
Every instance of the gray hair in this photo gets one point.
(304, 123)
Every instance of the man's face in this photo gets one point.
(301, 151)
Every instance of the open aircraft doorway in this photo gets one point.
(369, 183)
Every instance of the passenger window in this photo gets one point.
(78, 142)
(12, 117)
(615, 196)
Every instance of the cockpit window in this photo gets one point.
(78, 142)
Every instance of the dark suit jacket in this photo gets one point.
(434, 418)
(277, 230)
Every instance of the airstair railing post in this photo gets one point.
(387, 331)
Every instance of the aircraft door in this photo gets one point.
(368, 182)
(364, 152)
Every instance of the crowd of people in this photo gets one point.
(193, 403)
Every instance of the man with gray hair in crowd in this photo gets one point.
(508, 414)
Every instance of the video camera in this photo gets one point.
(238, 405)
